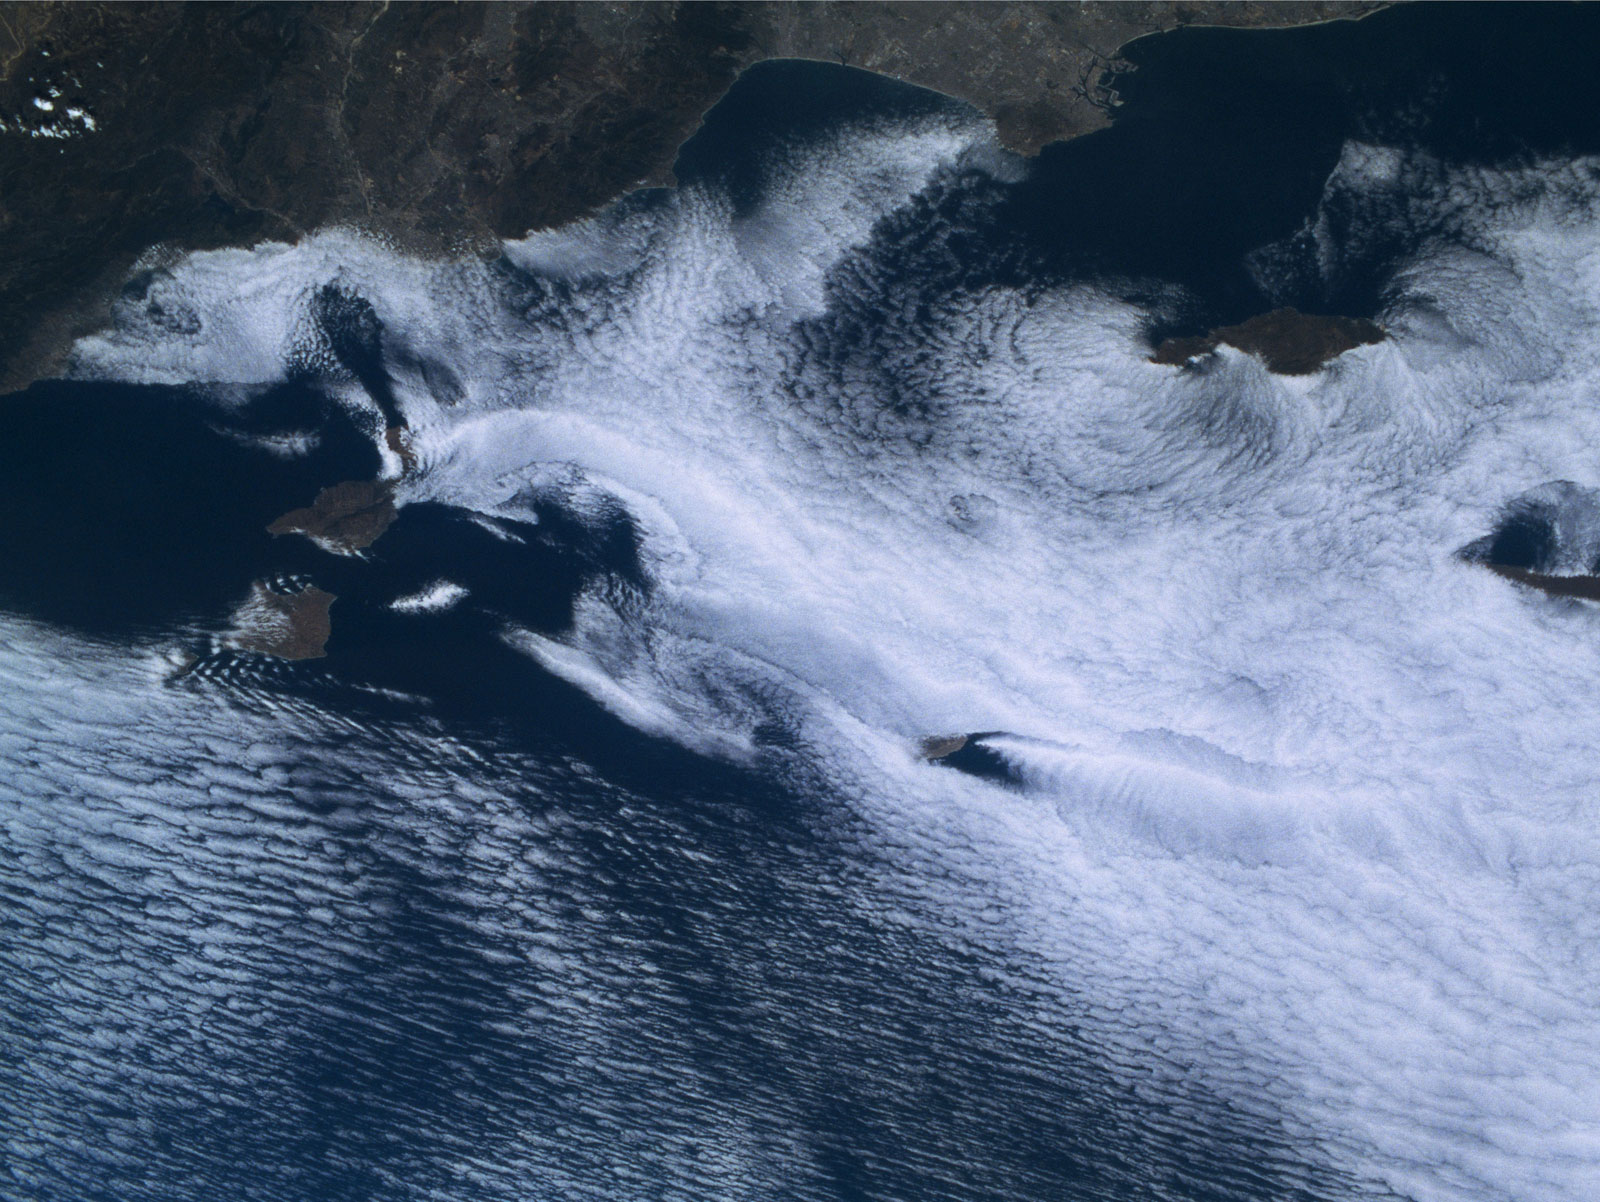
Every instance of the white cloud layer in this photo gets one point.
(1308, 804)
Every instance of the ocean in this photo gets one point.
(575, 822)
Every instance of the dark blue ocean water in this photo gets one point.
(420, 920)
(741, 999)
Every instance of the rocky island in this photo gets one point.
(283, 622)
(345, 518)
(769, 693)
(1289, 342)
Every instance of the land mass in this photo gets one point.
(127, 127)
(345, 518)
(1289, 342)
(287, 625)
(1584, 587)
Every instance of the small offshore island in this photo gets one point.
(990, 608)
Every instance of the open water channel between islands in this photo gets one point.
(780, 691)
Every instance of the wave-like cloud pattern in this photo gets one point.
(1300, 834)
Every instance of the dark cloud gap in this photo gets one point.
(900, 1067)
(1225, 138)
(134, 509)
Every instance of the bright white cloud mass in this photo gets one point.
(1300, 827)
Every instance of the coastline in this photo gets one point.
(448, 129)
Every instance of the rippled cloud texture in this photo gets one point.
(1290, 889)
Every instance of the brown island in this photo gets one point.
(345, 518)
(1289, 342)
(1583, 587)
(288, 625)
